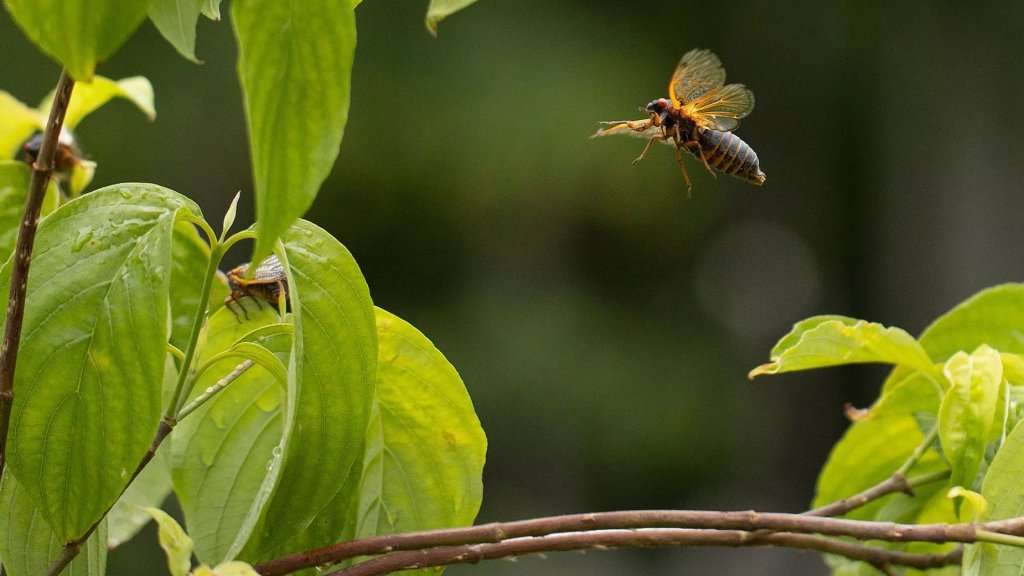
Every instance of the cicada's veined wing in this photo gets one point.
(699, 71)
(722, 108)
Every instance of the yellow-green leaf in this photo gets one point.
(19, 123)
(86, 97)
(832, 341)
(175, 542)
(968, 410)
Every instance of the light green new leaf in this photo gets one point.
(176, 20)
(332, 374)
(833, 341)
(14, 180)
(175, 542)
(88, 96)
(150, 489)
(441, 9)
(221, 453)
(993, 316)
(295, 64)
(18, 125)
(27, 544)
(424, 447)
(93, 350)
(968, 411)
(1001, 488)
(78, 33)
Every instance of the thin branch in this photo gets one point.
(604, 539)
(748, 521)
(213, 390)
(42, 169)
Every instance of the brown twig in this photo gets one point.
(604, 539)
(42, 169)
(748, 521)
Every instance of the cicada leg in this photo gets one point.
(236, 299)
(648, 147)
(686, 177)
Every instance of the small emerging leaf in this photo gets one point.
(441, 9)
(175, 542)
(967, 412)
(211, 9)
(832, 341)
(229, 216)
(978, 504)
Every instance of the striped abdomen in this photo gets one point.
(724, 151)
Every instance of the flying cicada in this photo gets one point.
(268, 284)
(699, 116)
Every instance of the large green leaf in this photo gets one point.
(424, 451)
(968, 411)
(441, 9)
(1001, 488)
(78, 33)
(834, 340)
(14, 180)
(295, 64)
(424, 447)
(176, 20)
(92, 352)
(332, 373)
(19, 122)
(27, 544)
(221, 452)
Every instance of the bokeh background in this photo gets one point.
(603, 322)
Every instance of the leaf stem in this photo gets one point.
(997, 538)
(213, 390)
(42, 169)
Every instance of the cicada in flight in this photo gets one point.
(698, 116)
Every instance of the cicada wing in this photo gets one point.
(721, 109)
(698, 72)
(633, 128)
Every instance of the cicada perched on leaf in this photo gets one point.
(699, 116)
(268, 284)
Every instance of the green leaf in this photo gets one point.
(19, 123)
(221, 452)
(332, 374)
(176, 20)
(27, 544)
(87, 97)
(295, 64)
(151, 488)
(833, 341)
(441, 9)
(78, 33)
(1001, 488)
(93, 348)
(967, 412)
(175, 542)
(14, 181)
(425, 447)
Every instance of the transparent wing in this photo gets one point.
(698, 72)
(625, 129)
(721, 109)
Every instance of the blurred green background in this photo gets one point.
(603, 322)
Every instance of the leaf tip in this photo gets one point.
(769, 368)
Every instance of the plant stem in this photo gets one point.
(997, 538)
(42, 169)
(180, 394)
(213, 390)
(413, 559)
